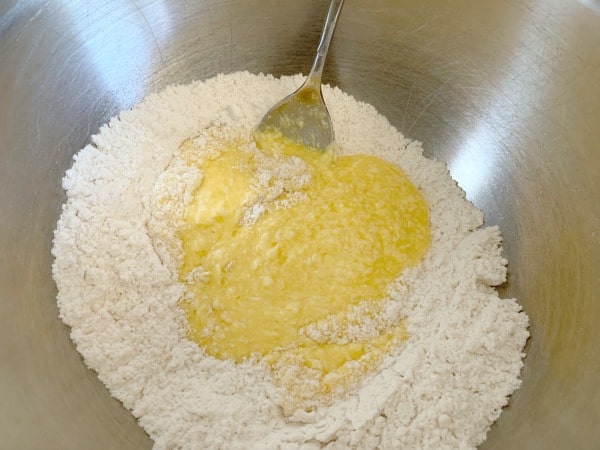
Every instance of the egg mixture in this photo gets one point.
(315, 252)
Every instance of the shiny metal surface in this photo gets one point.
(508, 93)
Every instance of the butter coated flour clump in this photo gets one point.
(118, 290)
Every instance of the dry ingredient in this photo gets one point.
(117, 271)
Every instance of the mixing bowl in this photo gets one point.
(506, 92)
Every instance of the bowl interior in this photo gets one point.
(506, 93)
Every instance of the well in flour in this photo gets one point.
(119, 291)
(325, 238)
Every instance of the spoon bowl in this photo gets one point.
(301, 117)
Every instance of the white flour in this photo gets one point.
(443, 389)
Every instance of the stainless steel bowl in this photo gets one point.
(507, 93)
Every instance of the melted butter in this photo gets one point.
(360, 223)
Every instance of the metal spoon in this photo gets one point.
(302, 116)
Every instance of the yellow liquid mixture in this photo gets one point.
(353, 225)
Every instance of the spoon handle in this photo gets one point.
(314, 77)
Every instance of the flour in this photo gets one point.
(118, 291)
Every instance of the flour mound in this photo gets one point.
(118, 291)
